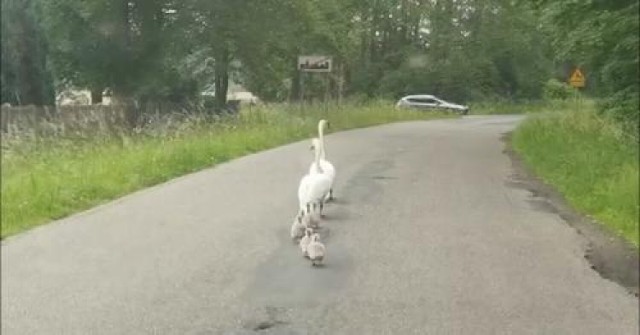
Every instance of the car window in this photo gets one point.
(422, 100)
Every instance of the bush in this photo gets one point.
(557, 90)
(623, 108)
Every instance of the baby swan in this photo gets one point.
(316, 250)
(304, 242)
(298, 227)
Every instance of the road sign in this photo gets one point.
(577, 79)
(314, 63)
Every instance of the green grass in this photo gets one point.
(52, 178)
(590, 161)
(538, 106)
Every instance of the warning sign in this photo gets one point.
(577, 79)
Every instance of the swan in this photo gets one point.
(325, 165)
(316, 250)
(298, 227)
(314, 187)
(304, 242)
(311, 218)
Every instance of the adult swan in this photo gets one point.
(325, 166)
(314, 186)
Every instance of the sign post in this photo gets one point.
(577, 81)
(318, 64)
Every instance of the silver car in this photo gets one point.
(431, 102)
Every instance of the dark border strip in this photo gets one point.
(613, 257)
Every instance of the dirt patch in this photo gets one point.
(610, 255)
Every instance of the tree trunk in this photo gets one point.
(221, 79)
(340, 83)
(31, 76)
(295, 82)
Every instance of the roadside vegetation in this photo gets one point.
(525, 107)
(588, 148)
(46, 179)
(498, 56)
(590, 160)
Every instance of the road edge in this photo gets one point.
(610, 255)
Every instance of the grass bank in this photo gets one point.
(527, 107)
(48, 179)
(590, 160)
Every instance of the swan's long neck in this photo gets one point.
(321, 139)
(317, 152)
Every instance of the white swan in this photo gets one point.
(311, 215)
(325, 165)
(314, 187)
(304, 242)
(316, 250)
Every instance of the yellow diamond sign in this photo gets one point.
(577, 79)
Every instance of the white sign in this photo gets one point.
(314, 63)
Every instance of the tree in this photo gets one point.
(129, 46)
(602, 37)
(25, 75)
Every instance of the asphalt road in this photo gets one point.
(429, 235)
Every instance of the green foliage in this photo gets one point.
(481, 51)
(590, 161)
(623, 106)
(151, 50)
(26, 79)
(473, 50)
(131, 47)
(557, 90)
(602, 36)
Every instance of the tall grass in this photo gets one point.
(528, 107)
(45, 179)
(590, 160)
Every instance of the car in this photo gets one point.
(424, 101)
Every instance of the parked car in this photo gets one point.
(430, 102)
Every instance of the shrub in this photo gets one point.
(557, 90)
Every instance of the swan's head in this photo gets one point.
(324, 124)
(315, 237)
(308, 232)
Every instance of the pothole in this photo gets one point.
(383, 177)
(264, 325)
(265, 322)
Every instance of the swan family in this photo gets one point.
(314, 190)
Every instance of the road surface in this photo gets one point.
(428, 235)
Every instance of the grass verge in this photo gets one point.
(530, 107)
(48, 179)
(590, 161)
